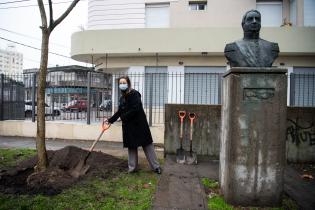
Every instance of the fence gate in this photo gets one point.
(11, 98)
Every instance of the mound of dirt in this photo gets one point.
(22, 179)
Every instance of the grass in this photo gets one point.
(216, 200)
(122, 191)
(9, 157)
(210, 183)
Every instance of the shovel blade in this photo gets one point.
(180, 156)
(80, 169)
(191, 158)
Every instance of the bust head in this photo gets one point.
(251, 22)
(251, 51)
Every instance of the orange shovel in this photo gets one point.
(81, 168)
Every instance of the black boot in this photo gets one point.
(158, 170)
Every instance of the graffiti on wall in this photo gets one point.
(298, 133)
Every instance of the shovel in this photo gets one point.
(81, 168)
(180, 153)
(191, 157)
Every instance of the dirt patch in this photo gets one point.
(23, 180)
(306, 171)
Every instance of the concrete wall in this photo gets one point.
(301, 134)
(65, 130)
(300, 131)
(223, 13)
(206, 129)
(300, 144)
(116, 63)
(111, 14)
(181, 41)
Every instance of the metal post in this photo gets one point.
(89, 99)
(292, 89)
(11, 110)
(1, 95)
(219, 88)
(97, 104)
(150, 99)
(53, 103)
(33, 96)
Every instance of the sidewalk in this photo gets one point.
(301, 190)
(180, 186)
(112, 148)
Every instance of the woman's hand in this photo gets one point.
(105, 124)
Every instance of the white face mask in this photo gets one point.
(123, 87)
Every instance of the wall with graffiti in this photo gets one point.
(301, 134)
(300, 138)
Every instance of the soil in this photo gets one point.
(306, 171)
(22, 179)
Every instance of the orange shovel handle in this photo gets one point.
(181, 115)
(105, 125)
(192, 117)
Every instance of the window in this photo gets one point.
(309, 14)
(302, 87)
(271, 13)
(293, 12)
(96, 79)
(197, 5)
(203, 85)
(157, 15)
(155, 86)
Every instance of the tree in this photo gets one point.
(46, 31)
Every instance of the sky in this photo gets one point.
(23, 24)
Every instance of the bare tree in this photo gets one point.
(47, 29)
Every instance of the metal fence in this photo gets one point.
(302, 90)
(11, 97)
(93, 96)
(71, 96)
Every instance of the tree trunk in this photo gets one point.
(40, 137)
(42, 162)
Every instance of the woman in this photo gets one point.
(136, 131)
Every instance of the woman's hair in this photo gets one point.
(127, 79)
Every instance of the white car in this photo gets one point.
(106, 105)
(48, 110)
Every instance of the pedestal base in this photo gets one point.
(252, 155)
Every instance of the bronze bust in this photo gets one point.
(251, 51)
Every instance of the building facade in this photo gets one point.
(186, 38)
(11, 61)
(68, 83)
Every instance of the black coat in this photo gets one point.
(135, 127)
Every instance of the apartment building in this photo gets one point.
(11, 61)
(186, 38)
(68, 83)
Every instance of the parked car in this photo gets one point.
(106, 105)
(75, 105)
(48, 110)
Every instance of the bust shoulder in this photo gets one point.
(230, 47)
(273, 46)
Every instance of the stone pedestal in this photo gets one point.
(252, 150)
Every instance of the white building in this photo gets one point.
(11, 61)
(187, 38)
